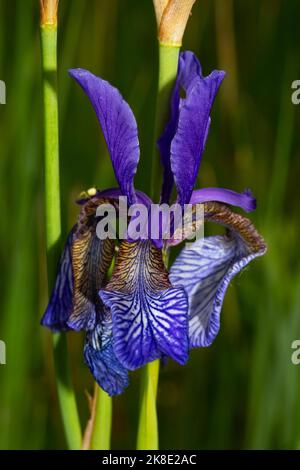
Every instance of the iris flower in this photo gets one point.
(143, 312)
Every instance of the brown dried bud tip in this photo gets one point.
(48, 12)
(172, 17)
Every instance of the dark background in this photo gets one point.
(243, 391)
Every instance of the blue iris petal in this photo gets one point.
(206, 267)
(60, 304)
(149, 314)
(100, 357)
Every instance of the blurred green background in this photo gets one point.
(243, 391)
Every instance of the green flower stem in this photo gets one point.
(168, 64)
(53, 228)
(65, 392)
(102, 425)
(101, 432)
(148, 425)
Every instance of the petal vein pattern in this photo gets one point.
(149, 314)
(206, 267)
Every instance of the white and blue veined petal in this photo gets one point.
(206, 267)
(149, 314)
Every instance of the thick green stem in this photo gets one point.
(148, 425)
(168, 64)
(101, 432)
(53, 229)
(102, 423)
(65, 392)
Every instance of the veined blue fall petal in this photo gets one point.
(101, 359)
(149, 314)
(74, 302)
(118, 125)
(61, 301)
(205, 268)
(91, 259)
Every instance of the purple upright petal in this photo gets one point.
(149, 314)
(206, 267)
(182, 143)
(118, 125)
(193, 123)
(189, 68)
(245, 200)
